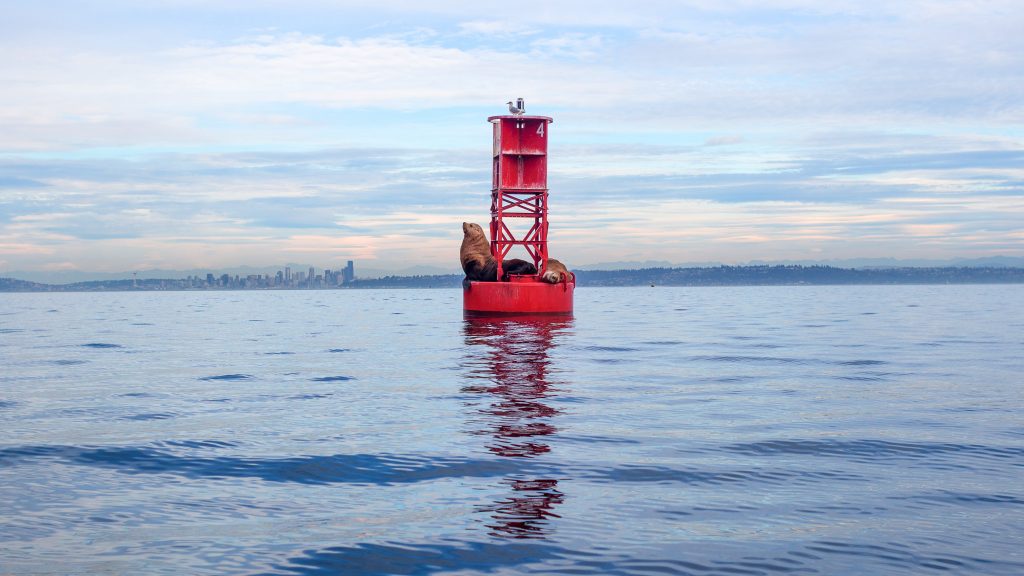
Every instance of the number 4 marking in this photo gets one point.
(540, 129)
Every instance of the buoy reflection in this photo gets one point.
(509, 362)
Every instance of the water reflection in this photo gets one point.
(525, 513)
(509, 366)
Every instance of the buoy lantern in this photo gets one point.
(519, 217)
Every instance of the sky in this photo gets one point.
(187, 134)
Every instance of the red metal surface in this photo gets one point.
(519, 187)
(519, 217)
(522, 295)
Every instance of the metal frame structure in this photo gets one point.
(519, 186)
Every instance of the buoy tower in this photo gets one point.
(519, 217)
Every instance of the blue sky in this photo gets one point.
(187, 134)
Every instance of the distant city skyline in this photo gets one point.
(140, 136)
(283, 278)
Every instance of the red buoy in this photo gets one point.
(519, 217)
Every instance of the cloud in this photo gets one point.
(574, 46)
(394, 204)
(728, 131)
(723, 140)
(497, 28)
(701, 68)
(23, 249)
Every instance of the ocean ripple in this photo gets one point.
(868, 451)
(385, 469)
(762, 431)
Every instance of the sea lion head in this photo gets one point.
(472, 228)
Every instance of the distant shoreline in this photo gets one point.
(778, 275)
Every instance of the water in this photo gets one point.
(762, 430)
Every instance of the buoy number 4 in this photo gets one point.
(540, 129)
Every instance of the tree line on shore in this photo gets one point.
(766, 275)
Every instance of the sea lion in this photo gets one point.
(477, 262)
(556, 272)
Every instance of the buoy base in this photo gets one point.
(522, 295)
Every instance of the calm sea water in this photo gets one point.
(760, 430)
